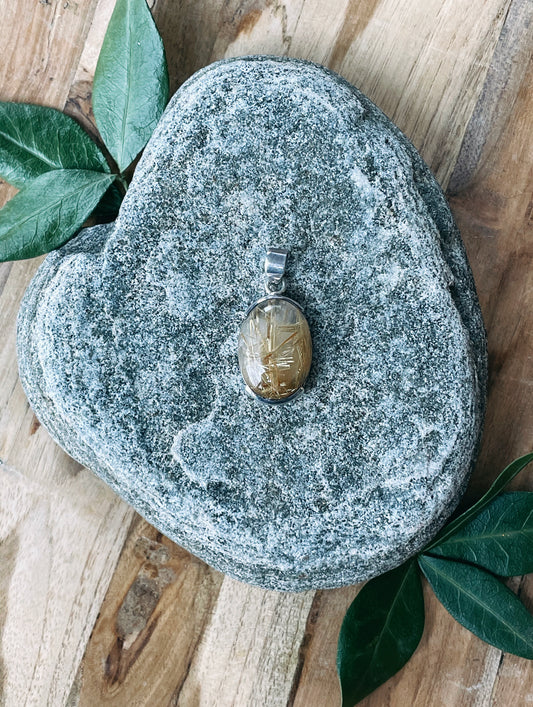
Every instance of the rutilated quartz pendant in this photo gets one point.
(275, 348)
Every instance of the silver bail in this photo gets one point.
(275, 262)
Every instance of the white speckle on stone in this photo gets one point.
(359, 178)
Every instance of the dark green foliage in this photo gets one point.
(500, 538)
(380, 631)
(482, 603)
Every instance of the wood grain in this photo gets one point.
(55, 569)
(455, 76)
(249, 654)
(494, 212)
(61, 529)
(149, 627)
(167, 616)
(41, 45)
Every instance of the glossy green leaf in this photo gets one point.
(502, 480)
(131, 81)
(481, 603)
(48, 212)
(380, 632)
(500, 538)
(35, 140)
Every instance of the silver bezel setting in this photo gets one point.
(271, 401)
(274, 296)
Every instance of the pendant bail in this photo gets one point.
(275, 262)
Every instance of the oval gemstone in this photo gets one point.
(275, 348)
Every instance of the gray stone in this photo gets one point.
(127, 336)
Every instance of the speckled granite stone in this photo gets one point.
(127, 336)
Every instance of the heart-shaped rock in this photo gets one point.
(128, 335)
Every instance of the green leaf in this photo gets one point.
(380, 632)
(131, 81)
(503, 479)
(35, 140)
(500, 538)
(482, 603)
(44, 215)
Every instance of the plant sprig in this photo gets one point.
(62, 174)
(463, 565)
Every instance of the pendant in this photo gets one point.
(275, 347)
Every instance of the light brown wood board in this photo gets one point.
(96, 607)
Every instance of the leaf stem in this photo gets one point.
(122, 184)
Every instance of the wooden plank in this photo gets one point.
(425, 66)
(492, 201)
(61, 529)
(250, 652)
(441, 671)
(166, 617)
(155, 612)
(41, 45)
(317, 683)
(493, 209)
(79, 101)
(55, 564)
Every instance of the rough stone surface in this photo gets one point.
(128, 335)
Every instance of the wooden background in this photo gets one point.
(96, 607)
